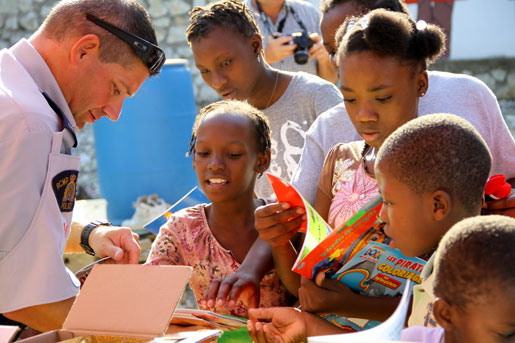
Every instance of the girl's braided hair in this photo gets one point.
(258, 119)
(230, 14)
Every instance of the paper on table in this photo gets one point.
(194, 197)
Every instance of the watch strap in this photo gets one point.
(86, 232)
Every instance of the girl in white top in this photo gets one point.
(228, 51)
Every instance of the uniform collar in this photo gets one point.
(36, 66)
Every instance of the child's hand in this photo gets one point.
(325, 296)
(279, 324)
(504, 206)
(287, 325)
(234, 286)
(277, 223)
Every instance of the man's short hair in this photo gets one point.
(68, 18)
(233, 15)
(439, 152)
(475, 255)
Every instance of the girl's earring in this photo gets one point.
(258, 58)
(422, 94)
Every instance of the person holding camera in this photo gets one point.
(292, 36)
(228, 51)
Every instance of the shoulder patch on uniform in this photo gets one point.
(64, 185)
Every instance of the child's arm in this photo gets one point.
(277, 224)
(284, 258)
(332, 296)
(272, 225)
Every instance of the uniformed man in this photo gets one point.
(85, 59)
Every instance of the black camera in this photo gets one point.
(304, 43)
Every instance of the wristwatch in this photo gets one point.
(86, 232)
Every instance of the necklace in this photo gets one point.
(275, 86)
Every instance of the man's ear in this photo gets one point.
(444, 314)
(85, 50)
(441, 204)
(263, 161)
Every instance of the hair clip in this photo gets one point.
(361, 23)
(421, 25)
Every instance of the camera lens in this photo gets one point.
(304, 43)
(301, 57)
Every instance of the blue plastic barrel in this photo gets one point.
(144, 151)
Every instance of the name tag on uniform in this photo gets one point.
(64, 185)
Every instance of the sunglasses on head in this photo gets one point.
(150, 54)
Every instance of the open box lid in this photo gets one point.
(128, 300)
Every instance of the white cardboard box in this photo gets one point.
(130, 301)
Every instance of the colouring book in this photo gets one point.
(356, 253)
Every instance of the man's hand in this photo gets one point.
(318, 51)
(278, 48)
(277, 223)
(277, 325)
(119, 243)
(325, 296)
(234, 286)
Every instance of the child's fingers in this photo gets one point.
(258, 333)
(262, 313)
(319, 279)
(510, 212)
(311, 293)
(210, 294)
(223, 291)
(252, 330)
(306, 303)
(235, 293)
(285, 215)
(280, 233)
(271, 335)
(246, 290)
(506, 203)
(269, 209)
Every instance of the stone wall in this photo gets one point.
(19, 18)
